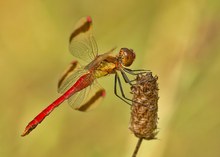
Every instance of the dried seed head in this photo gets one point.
(143, 122)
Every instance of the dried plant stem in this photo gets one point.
(137, 147)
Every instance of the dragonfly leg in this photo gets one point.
(135, 72)
(117, 80)
(126, 79)
(132, 72)
(123, 97)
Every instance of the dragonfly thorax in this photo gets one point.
(126, 56)
(104, 69)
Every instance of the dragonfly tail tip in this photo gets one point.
(24, 133)
(28, 129)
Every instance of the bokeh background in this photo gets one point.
(178, 40)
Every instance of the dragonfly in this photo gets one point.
(78, 85)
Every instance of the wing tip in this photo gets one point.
(103, 93)
(89, 19)
(85, 25)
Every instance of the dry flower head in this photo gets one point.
(143, 122)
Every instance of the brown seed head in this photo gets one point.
(143, 122)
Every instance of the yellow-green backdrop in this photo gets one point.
(178, 40)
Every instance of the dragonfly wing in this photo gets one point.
(88, 98)
(73, 67)
(93, 101)
(77, 99)
(82, 44)
(69, 78)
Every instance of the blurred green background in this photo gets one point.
(178, 40)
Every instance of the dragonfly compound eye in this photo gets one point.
(127, 56)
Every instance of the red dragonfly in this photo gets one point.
(76, 82)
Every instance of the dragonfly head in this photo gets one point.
(126, 56)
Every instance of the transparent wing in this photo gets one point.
(82, 44)
(93, 101)
(69, 78)
(73, 67)
(77, 99)
(88, 98)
